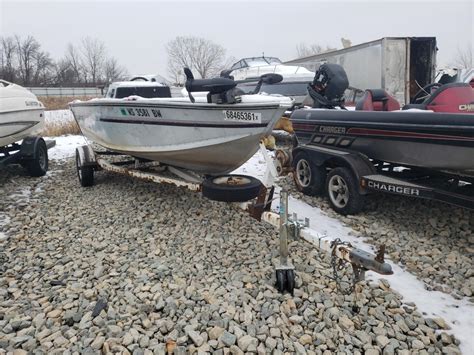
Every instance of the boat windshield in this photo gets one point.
(146, 91)
(255, 62)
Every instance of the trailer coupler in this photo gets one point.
(342, 254)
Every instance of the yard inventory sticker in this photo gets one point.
(242, 116)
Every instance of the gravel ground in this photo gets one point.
(434, 241)
(135, 267)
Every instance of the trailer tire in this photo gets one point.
(309, 178)
(85, 174)
(38, 164)
(231, 188)
(342, 191)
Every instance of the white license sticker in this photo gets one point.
(242, 116)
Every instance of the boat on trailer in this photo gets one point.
(21, 114)
(209, 135)
(425, 149)
(21, 119)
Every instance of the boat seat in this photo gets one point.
(377, 100)
(450, 97)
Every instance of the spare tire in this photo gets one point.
(231, 188)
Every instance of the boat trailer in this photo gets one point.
(290, 228)
(31, 153)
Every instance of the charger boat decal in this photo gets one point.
(467, 107)
(392, 188)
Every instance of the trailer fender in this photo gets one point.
(29, 146)
(358, 163)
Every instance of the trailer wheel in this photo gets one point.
(290, 281)
(84, 173)
(38, 165)
(285, 280)
(342, 191)
(231, 188)
(280, 280)
(309, 178)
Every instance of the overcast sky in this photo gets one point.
(136, 32)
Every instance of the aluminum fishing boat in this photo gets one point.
(212, 135)
(21, 114)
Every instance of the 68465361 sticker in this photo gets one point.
(242, 116)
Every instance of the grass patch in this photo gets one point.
(60, 103)
(56, 129)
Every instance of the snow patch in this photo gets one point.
(57, 116)
(65, 147)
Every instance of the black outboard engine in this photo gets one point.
(220, 89)
(328, 86)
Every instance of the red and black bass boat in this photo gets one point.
(435, 132)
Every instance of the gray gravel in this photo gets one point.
(434, 241)
(163, 269)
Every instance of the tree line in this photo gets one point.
(23, 61)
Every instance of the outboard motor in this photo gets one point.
(328, 86)
(220, 89)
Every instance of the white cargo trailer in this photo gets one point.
(400, 65)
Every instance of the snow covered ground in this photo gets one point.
(65, 147)
(459, 314)
(55, 116)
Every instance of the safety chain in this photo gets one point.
(338, 265)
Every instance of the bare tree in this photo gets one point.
(464, 58)
(203, 56)
(74, 60)
(43, 69)
(304, 50)
(113, 71)
(93, 52)
(27, 49)
(64, 73)
(23, 61)
(8, 57)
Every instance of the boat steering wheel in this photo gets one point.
(425, 92)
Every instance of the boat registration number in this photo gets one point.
(243, 116)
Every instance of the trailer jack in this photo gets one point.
(342, 254)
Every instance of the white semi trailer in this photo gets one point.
(400, 65)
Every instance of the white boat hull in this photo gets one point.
(21, 114)
(199, 136)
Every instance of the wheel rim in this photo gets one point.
(231, 180)
(338, 191)
(303, 173)
(42, 159)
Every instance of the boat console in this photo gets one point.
(219, 89)
(222, 90)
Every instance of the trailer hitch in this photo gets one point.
(342, 253)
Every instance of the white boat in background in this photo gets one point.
(212, 135)
(21, 114)
(254, 67)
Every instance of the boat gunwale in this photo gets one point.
(182, 105)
